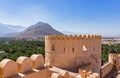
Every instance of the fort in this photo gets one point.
(65, 57)
(73, 52)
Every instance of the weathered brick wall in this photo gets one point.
(71, 52)
(115, 60)
(105, 69)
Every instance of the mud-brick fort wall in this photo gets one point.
(115, 60)
(72, 52)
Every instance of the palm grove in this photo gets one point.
(15, 48)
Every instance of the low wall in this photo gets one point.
(88, 74)
(62, 72)
(105, 69)
(24, 67)
(68, 74)
(34, 67)
(115, 60)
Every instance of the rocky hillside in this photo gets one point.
(38, 31)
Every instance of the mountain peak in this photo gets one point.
(37, 30)
(40, 23)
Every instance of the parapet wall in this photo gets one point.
(80, 74)
(70, 52)
(71, 37)
(24, 67)
(34, 67)
(105, 69)
(115, 60)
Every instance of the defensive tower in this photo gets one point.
(71, 52)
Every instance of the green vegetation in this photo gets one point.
(15, 48)
(4, 39)
(106, 49)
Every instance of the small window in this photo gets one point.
(84, 48)
(53, 48)
(64, 49)
(115, 62)
(93, 49)
(73, 50)
(75, 62)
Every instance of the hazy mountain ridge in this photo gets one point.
(38, 30)
(5, 29)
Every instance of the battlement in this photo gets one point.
(71, 37)
(24, 67)
(34, 67)
(77, 49)
(65, 52)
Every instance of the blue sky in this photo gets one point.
(83, 16)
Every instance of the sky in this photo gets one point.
(81, 16)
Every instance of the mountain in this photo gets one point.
(38, 31)
(5, 29)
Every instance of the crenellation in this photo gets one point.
(38, 60)
(84, 37)
(72, 48)
(24, 64)
(22, 68)
(76, 36)
(8, 68)
(72, 37)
